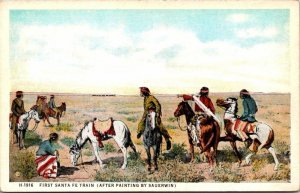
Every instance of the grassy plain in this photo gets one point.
(274, 109)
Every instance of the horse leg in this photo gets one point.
(253, 149)
(47, 118)
(97, 154)
(132, 147)
(124, 151)
(210, 160)
(23, 138)
(236, 152)
(192, 149)
(19, 138)
(272, 151)
(57, 117)
(148, 158)
(156, 154)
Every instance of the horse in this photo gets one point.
(152, 138)
(47, 112)
(23, 123)
(262, 134)
(208, 136)
(118, 131)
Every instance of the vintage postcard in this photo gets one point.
(149, 96)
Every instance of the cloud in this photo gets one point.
(267, 32)
(238, 18)
(83, 58)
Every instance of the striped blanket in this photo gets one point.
(47, 166)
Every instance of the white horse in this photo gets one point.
(262, 135)
(23, 123)
(121, 134)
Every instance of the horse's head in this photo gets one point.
(74, 154)
(34, 114)
(150, 120)
(226, 103)
(182, 108)
(64, 106)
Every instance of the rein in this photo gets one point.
(178, 121)
(28, 118)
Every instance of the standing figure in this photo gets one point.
(47, 159)
(17, 109)
(152, 104)
(248, 116)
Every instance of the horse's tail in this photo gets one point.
(270, 139)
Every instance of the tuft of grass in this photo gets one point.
(68, 141)
(226, 173)
(88, 153)
(32, 139)
(132, 119)
(124, 112)
(281, 147)
(258, 165)
(24, 162)
(109, 148)
(171, 127)
(178, 151)
(171, 119)
(136, 171)
(63, 127)
(284, 173)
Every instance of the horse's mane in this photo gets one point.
(236, 106)
(189, 107)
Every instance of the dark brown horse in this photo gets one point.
(45, 112)
(208, 136)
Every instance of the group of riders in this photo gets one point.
(151, 103)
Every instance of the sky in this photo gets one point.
(170, 51)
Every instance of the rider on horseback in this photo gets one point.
(250, 108)
(51, 104)
(204, 91)
(151, 103)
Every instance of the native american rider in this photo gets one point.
(204, 98)
(17, 109)
(51, 104)
(250, 108)
(151, 103)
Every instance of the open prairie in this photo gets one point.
(273, 109)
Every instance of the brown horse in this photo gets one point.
(45, 112)
(262, 134)
(208, 136)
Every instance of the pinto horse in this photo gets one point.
(118, 131)
(262, 134)
(208, 135)
(46, 112)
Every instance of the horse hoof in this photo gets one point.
(156, 169)
(123, 167)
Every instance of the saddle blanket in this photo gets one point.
(250, 127)
(47, 166)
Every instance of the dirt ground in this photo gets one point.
(274, 109)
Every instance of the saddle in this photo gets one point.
(249, 128)
(105, 135)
